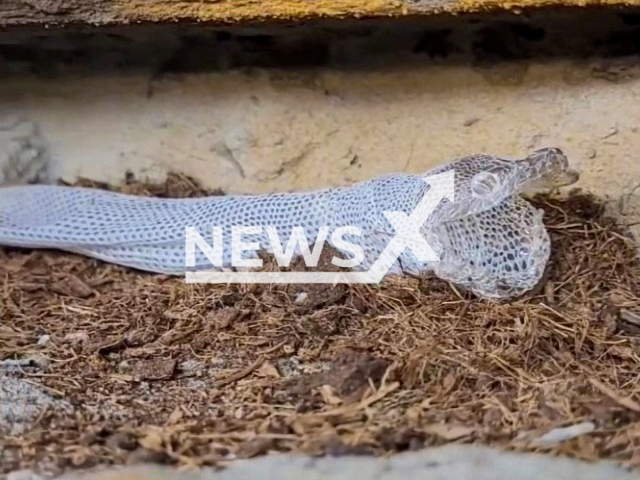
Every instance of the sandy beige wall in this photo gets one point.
(269, 130)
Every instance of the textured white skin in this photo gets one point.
(483, 236)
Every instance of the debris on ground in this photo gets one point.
(22, 403)
(158, 370)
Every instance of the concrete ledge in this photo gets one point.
(455, 462)
(121, 12)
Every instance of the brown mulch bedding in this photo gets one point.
(193, 374)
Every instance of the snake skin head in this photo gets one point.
(501, 252)
(490, 240)
(544, 162)
(484, 181)
(547, 168)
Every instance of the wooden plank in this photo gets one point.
(118, 12)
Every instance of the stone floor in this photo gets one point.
(445, 463)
